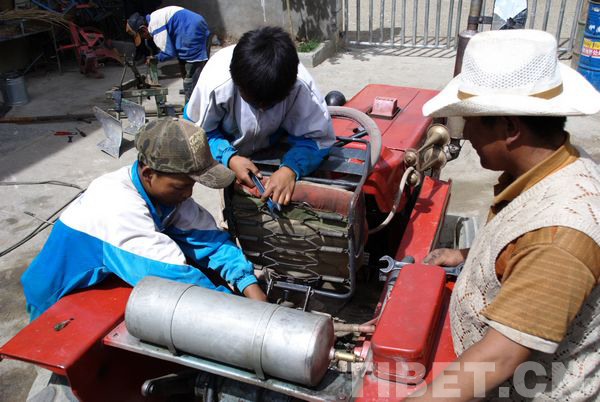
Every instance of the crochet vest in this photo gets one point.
(569, 198)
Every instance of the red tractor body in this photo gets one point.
(83, 336)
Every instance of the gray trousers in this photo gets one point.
(190, 73)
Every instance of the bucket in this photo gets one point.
(13, 90)
(589, 60)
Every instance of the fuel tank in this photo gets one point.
(266, 338)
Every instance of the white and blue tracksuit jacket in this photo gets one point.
(235, 127)
(178, 33)
(114, 228)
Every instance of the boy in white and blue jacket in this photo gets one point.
(251, 94)
(140, 221)
(178, 33)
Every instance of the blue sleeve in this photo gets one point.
(220, 148)
(304, 156)
(131, 268)
(214, 249)
(162, 56)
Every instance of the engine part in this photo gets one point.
(345, 356)
(231, 329)
(335, 98)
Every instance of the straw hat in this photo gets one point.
(514, 73)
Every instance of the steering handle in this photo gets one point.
(367, 123)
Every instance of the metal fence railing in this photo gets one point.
(435, 24)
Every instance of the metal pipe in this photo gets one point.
(426, 23)
(474, 12)
(458, 18)
(449, 29)
(438, 11)
(360, 328)
(415, 15)
(381, 11)
(561, 16)
(532, 14)
(482, 13)
(385, 45)
(463, 40)
(357, 20)
(546, 15)
(402, 37)
(371, 21)
(346, 19)
(231, 329)
(573, 35)
(345, 356)
(393, 24)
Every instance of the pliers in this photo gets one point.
(273, 206)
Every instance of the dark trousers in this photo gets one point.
(190, 73)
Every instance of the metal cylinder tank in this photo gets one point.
(266, 338)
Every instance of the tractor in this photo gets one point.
(352, 314)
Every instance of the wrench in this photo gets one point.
(393, 265)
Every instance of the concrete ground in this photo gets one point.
(33, 153)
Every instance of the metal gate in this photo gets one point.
(435, 24)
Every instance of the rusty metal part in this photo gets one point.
(345, 356)
(360, 328)
(463, 39)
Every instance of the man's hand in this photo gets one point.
(446, 257)
(241, 166)
(255, 292)
(150, 59)
(280, 186)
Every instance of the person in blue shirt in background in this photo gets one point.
(141, 221)
(253, 94)
(178, 33)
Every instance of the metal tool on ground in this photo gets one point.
(68, 134)
(273, 206)
(140, 87)
(393, 265)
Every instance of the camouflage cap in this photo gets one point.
(171, 145)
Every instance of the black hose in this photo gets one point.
(44, 225)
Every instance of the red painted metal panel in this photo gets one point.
(426, 220)
(406, 130)
(88, 314)
(376, 389)
(403, 339)
(420, 236)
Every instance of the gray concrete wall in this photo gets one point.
(229, 19)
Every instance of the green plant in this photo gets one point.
(308, 46)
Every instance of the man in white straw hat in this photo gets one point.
(525, 311)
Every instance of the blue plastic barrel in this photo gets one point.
(589, 61)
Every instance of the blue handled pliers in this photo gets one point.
(273, 206)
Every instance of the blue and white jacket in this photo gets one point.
(178, 33)
(235, 127)
(114, 228)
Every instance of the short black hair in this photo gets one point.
(264, 65)
(541, 126)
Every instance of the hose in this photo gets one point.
(390, 216)
(48, 222)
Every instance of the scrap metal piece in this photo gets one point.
(136, 114)
(112, 130)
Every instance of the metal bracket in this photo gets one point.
(113, 132)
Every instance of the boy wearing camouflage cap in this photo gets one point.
(140, 221)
